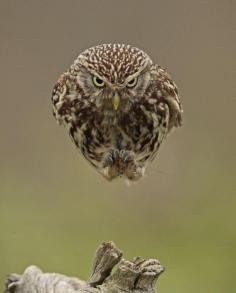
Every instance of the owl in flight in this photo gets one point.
(118, 107)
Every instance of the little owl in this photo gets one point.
(118, 107)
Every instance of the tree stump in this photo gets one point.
(136, 276)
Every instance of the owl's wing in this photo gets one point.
(170, 94)
(64, 99)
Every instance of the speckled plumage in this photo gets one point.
(116, 127)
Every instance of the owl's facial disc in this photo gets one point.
(115, 96)
(100, 83)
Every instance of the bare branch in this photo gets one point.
(137, 276)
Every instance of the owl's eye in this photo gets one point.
(98, 81)
(132, 82)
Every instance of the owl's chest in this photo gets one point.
(138, 122)
(135, 129)
(129, 128)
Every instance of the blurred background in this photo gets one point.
(55, 209)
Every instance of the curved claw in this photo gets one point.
(126, 156)
(122, 162)
(111, 158)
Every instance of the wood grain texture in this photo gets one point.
(136, 276)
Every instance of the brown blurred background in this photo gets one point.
(55, 209)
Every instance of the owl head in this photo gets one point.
(113, 76)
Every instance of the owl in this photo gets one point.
(118, 107)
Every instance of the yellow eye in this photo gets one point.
(98, 81)
(132, 82)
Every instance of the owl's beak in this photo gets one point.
(116, 101)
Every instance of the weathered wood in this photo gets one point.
(136, 276)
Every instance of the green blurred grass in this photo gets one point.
(192, 232)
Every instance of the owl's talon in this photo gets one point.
(108, 161)
(111, 158)
(126, 156)
(115, 154)
(134, 172)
